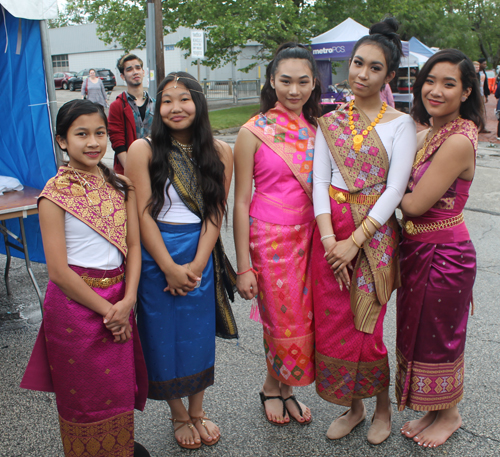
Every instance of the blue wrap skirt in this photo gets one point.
(177, 333)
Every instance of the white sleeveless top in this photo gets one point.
(174, 210)
(86, 248)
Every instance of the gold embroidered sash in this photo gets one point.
(376, 273)
(101, 207)
(185, 182)
(289, 136)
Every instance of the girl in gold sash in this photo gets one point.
(88, 350)
(362, 162)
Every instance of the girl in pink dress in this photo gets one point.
(275, 148)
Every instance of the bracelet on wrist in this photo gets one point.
(355, 242)
(324, 237)
(255, 272)
(366, 230)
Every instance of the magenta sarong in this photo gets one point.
(438, 269)
(97, 382)
(350, 364)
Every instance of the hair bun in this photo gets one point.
(388, 27)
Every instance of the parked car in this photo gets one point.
(405, 86)
(61, 79)
(107, 77)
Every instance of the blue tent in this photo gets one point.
(420, 48)
(25, 129)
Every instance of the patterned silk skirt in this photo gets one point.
(432, 313)
(281, 255)
(97, 382)
(177, 333)
(350, 364)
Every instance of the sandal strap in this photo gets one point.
(183, 423)
(292, 397)
(202, 419)
(264, 398)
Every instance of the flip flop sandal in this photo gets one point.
(297, 404)
(264, 398)
(202, 420)
(191, 427)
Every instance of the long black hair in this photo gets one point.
(383, 34)
(472, 108)
(72, 110)
(209, 168)
(268, 98)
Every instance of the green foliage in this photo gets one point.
(472, 26)
(231, 117)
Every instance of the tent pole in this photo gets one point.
(51, 91)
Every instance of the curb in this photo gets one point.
(228, 131)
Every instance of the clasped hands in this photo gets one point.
(339, 255)
(117, 320)
(182, 279)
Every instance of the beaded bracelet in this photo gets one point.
(354, 240)
(255, 272)
(324, 237)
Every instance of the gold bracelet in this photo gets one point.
(374, 222)
(354, 240)
(367, 233)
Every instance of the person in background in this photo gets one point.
(131, 114)
(386, 95)
(485, 88)
(93, 89)
(497, 111)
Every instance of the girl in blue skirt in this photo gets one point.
(182, 176)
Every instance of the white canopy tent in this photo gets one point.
(31, 9)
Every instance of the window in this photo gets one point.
(60, 62)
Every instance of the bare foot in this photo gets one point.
(414, 427)
(274, 407)
(206, 428)
(447, 422)
(186, 434)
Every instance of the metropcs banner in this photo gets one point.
(335, 51)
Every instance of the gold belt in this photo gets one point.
(103, 283)
(357, 199)
(416, 229)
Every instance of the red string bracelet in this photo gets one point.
(255, 272)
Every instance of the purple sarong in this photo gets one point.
(97, 382)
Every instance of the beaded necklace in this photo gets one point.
(186, 148)
(359, 138)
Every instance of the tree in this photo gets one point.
(67, 17)
(228, 24)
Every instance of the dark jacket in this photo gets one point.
(121, 127)
(497, 96)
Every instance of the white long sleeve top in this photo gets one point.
(399, 138)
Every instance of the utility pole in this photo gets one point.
(154, 45)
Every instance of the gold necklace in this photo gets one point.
(358, 139)
(186, 148)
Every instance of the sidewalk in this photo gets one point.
(29, 419)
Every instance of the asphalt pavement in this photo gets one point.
(28, 420)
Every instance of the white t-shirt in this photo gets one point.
(86, 248)
(399, 138)
(174, 210)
